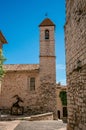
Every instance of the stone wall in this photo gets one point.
(16, 83)
(60, 88)
(75, 36)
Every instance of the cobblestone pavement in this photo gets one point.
(32, 125)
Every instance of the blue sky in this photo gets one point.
(19, 20)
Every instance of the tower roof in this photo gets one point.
(2, 38)
(47, 22)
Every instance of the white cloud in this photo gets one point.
(62, 81)
(60, 67)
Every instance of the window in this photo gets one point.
(32, 84)
(46, 34)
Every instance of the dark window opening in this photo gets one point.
(32, 84)
(46, 34)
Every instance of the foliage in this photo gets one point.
(63, 96)
(2, 59)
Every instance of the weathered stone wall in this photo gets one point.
(75, 36)
(59, 103)
(17, 83)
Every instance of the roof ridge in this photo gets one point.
(20, 67)
(20, 64)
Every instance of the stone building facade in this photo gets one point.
(35, 84)
(61, 108)
(75, 36)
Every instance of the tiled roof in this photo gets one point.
(2, 38)
(21, 67)
(47, 22)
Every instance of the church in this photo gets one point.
(35, 84)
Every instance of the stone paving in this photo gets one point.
(33, 125)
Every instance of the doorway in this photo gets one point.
(58, 114)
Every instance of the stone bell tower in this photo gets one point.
(47, 66)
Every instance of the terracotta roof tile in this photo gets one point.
(47, 22)
(2, 38)
(21, 67)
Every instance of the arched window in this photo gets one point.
(46, 34)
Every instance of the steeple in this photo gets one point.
(47, 38)
(48, 65)
(46, 22)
